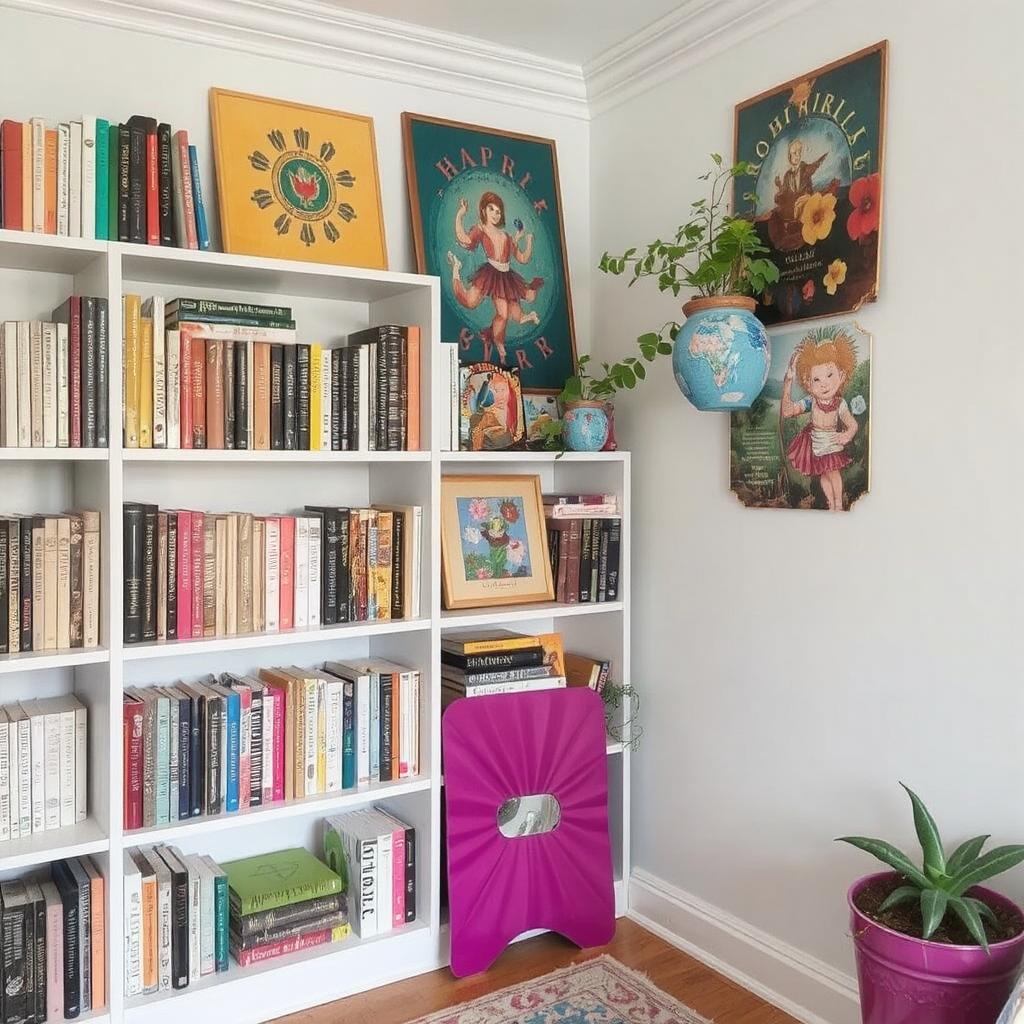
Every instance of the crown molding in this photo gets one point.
(320, 34)
(689, 35)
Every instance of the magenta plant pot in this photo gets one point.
(904, 980)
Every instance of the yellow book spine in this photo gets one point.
(132, 319)
(150, 935)
(321, 739)
(146, 383)
(512, 643)
(315, 371)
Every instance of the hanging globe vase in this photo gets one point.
(722, 353)
(585, 426)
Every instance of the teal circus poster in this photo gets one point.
(487, 221)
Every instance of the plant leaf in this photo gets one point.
(993, 863)
(904, 894)
(933, 910)
(983, 909)
(966, 853)
(972, 921)
(927, 834)
(891, 855)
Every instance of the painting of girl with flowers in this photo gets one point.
(814, 146)
(493, 541)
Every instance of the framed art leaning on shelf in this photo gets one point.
(493, 544)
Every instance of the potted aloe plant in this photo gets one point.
(721, 356)
(932, 945)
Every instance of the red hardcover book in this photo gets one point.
(185, 576)
(287, 573)
(152, 191)
(562, 527)
(282, 947)
(191, 240)
(10, 161)
(197, 574)
(133, 709)
(214, 393)
(185, 387)
(75, 369)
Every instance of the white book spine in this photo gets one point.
(385, 883)
(10, 395)
(375, 728)
(195, 903)
(315, 571)
(405, 711)
(36, 380)
(132, 927)
(272, 585)
(301, 571)
(207, 922)
(163, 910)
(159, 374)
(51, 739)
(49, 336)
(63, 395)
(363, 729)
(173, 397)
(63, 177)
(25, 776)
(5, 780)
(91, 596)
(88, 177)
(325, 400)
(81, 763)
(67, 768)
(24, 386)
(75, 187)
(333, 735)
(38, 174)
(310, 745)
(38, 741)
(268, 746)
(14, 778)
(367, 861)
(414, 754)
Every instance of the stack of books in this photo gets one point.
(192, 574)
(53, 378)
(478, 663)
(283, 902)
(231, 375)
(43, 766)
(175, 919)
(376, 852)
(49, 582)
(233, 743)
(584, 544)
(54, 948)
(130, 182)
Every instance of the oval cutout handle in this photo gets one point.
(532, 815)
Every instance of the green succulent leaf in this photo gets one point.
(927, 834)
(993, 863)
(966, 853)
(904, 894)
(933, 910)
(891, 855)
(983, 909)
(972, 921)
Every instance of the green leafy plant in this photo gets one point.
(941, 883)
(623, 726)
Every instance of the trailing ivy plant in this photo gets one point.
(940, 885)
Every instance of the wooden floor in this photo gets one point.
(692, 983)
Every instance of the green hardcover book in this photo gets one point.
(220, 914)
(279, 879)
(102, 175)
(112, 167)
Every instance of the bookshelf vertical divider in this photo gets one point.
(36, 273)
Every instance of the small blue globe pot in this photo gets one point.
(585, 426)
(722, 353)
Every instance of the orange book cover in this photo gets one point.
(214, 394)
(286, 574)
(150, 933)
(197, 362)
(261, 396)
(50, 179)
(412, 435)
(98, 940)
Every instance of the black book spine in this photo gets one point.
(297, 913)
(353, 399)
(256, 750)
(289, 386)
(276, 398)
(336, 361)
(614, 548)
(379, 417)
(134, 528)
(495, 661)
(5, 569)
(410, 875)
(30, 958)
(398, 566)
(124, 172)
(136, 182)
(344, 574)
(25, 618)
(172, 576)
(403, 391)
(230, 409)
(15, 965)
(302, 397)
(392, 345)
(149, 572)
(329, 568)
(89, 354)
(602, 565)
(185, 711)
(241, 396)
(197, 755)
(386, 689)
(179, 928)
(68, 889)
(40, 958)
(586, 559)
(214, 717)
(102, 334)
(164, 184)
(344, 389)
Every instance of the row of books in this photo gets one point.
(49, 582)
(584, 546)
(230, 375)
(44, 766)
(175, 919)
(54, 943)
(94, 178)
(53, 378)
(192, 574)
(237, 742)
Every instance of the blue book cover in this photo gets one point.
(348, 735)
(184, 757)
(234, 708)
(163, 760)
(102, 175)
(202, 231)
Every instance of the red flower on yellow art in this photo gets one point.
(865, 198)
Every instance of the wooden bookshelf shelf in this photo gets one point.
(524, 613)
(45, 661)
(86, 837)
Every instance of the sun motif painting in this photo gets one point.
(297, 182)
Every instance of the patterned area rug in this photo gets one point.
(598, 991)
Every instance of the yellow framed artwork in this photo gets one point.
(297, 182)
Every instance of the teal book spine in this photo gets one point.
(163, 760)
(112, 168)
(348, 735)
(220, 904)
(202, 231)
(234, 749)
(102, 175)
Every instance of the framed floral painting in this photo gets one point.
(493, 542)
(815, 145)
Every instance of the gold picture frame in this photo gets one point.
(494, 547)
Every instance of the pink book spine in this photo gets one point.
(197, 574)
(184, 575)
(279, 717)
(191, 239)
(398, 877)
(245, 754)
(54, 963)
(269, 694)
(282, 947)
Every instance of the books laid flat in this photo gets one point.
(479, 663)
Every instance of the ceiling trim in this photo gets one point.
(690, 35)
(322, 35)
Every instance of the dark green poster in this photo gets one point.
(815, 144)
(487, 220)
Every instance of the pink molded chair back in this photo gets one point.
(516, 745)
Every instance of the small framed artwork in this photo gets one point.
(297, 182)
(539, 409)
(494, 546)
(490, 408)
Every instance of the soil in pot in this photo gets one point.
(906, 918)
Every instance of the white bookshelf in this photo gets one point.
(37, 273)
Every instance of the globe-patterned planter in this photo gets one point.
(722, 353)
(585, 426)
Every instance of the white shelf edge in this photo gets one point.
(260, 641)
(54, 454)
(228, 456)
(521, 456)
(63, 243)
(39, 661)
(78, 840)
(314, 805)
(524, 613)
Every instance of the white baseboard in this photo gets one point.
(803, 986)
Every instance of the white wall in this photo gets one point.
(796, 665)
(60, 69)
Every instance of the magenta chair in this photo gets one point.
(526, 790)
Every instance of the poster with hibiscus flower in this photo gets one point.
(814, 145)
(493, 541)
